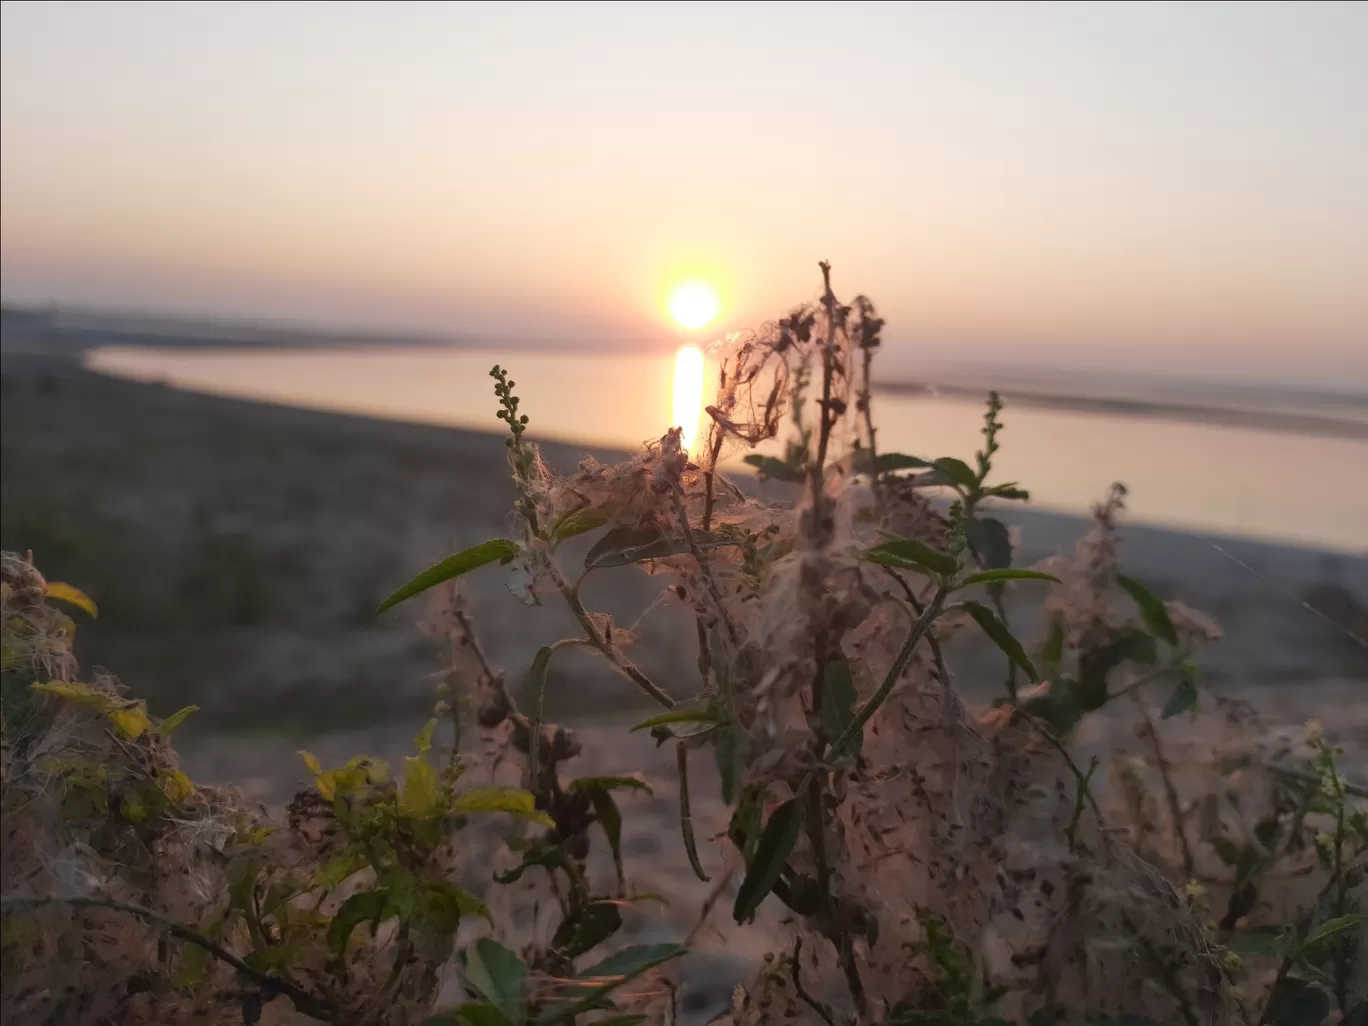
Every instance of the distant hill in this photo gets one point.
(66, 333)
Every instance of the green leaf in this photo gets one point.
(470, 1014)
(1183, 699)
(175, 720)
(129, 717)
(634, 783)
(623, 546)
(610, 819)
(729, 749)
(588, 927)
(536, 684)
(629, 963)
(1001, 636)
(577, 521)
(910, 554)
(473, 558)
(700, 715)
(1094, 666)
(1152, 611)
(513, 800)
(768, 466)
(361, 907)
(887, 462)
(498, 975)
(72, 597)
(613, 548)
(606, 977)
(838, 703)
(686, 813)
(549, 856)
(1052, 652)
(991, 541)
(444, 904)
(1266, 940)
(995, 576)
(771, 855)
(1331, 928)
(955, 472)
(1009, 491)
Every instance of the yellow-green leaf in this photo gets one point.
(420, 785)
(175, 785)
(176, 719)
(311, 761)
(513, 800)
(72, 597)
(128, 716)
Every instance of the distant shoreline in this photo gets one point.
(1276, 420)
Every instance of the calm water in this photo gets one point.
(1226, 480)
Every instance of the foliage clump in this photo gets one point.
(937, 864)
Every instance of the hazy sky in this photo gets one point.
(1169, 186)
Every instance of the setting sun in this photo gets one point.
(694, 304)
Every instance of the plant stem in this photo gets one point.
(1170, 791)
(895, 672)
(818, 469)
(866, 401)
(702, 560)
(597, 641)
(807, 998)
(302, 1000)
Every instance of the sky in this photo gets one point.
(1159, 188)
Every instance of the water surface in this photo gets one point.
(1226, 480)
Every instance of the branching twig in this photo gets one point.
(1063, 750)
(1303, 777)
(1170, 791)
(597, 641)
(305, 1002)
(807, 998)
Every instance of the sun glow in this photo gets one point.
(694, 304)
(688, 392)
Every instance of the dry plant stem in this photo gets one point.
(1175, 806)
(1084, 791)
(703, 566)
(705, 910)
(949, 701)
(828, 372)
(595, 640)
(302, 1000)
(1301, 776)
(1341, 889)
(807, 998)
(867, 402)
(1167, 975)
(845, 948)
(895, 672)
(708, 497)
(1140, 682)
(1062, 749)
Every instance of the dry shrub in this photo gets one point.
(937, 864)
